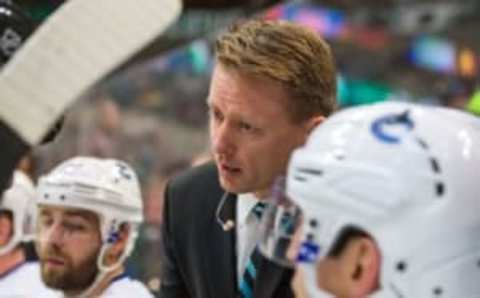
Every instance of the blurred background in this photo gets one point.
(151, 112)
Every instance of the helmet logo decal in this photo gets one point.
(123, 172)
(308, 252)
(380, 127)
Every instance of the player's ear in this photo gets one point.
(361, 261)
(118, 245)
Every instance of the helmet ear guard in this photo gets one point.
(19, 200)
(113, 236)
(406, 175)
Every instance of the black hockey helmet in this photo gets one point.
(15, 27)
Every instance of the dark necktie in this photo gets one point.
(248, 279)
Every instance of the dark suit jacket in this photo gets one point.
(199, 257)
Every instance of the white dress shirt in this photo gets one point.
(246, 231)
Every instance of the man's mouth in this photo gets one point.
(54, 262)
(229, 169)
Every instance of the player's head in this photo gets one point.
(388, 200)
(89, 211)
(17, 213)
(15, 27)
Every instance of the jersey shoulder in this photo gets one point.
(127, 287)
(14, 283)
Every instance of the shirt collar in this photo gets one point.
(245, 204)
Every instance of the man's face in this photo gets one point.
(251, 132)
(68, 243)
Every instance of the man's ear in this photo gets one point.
(309, 125)
(314, 122)
(116, 249)
(362, 264)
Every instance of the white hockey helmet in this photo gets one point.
(19, 199)
(408, 176)
(107, 187)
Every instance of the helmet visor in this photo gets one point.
(290, 235)
(279, 224)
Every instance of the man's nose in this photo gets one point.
(54, 235)
(223, 139)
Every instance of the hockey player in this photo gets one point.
(19, 277)
(89, 212)
(384, 203)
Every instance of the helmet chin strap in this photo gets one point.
(103, 270)
(5, 249)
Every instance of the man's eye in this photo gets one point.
(45, 222)
(74, 227)
(246, 127)
(216, 115)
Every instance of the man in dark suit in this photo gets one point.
(272, 84)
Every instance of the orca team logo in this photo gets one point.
(390, 128)
(123, 171)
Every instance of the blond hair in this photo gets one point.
(292, 55)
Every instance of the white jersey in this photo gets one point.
(24, 281)
(126, 287)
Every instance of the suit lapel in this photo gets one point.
(219, 252)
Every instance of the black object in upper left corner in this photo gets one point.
(16, 25)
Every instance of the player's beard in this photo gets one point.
(70, 278)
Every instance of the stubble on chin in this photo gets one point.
(53, 278)
(225, 184)
(68, 278)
